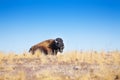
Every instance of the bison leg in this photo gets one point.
(43, 50)
(49, 51)
(55, 52)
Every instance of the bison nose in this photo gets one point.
(61, 50)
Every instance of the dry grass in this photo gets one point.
(73, 65)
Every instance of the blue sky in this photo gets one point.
(83, 24)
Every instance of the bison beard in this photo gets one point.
(51, 46)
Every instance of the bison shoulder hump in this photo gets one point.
(45, 43)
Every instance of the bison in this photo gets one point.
(50, 46)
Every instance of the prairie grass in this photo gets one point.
(72, 65)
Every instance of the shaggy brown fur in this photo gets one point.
(47, 47)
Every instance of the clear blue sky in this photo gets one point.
(83, 24)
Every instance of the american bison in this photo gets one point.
(51, 46)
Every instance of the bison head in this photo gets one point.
(59, 45)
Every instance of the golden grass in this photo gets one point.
(73, 65)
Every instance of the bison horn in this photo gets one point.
(56, 41)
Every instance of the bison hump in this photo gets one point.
(45, 43)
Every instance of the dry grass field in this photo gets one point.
(73, 65)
